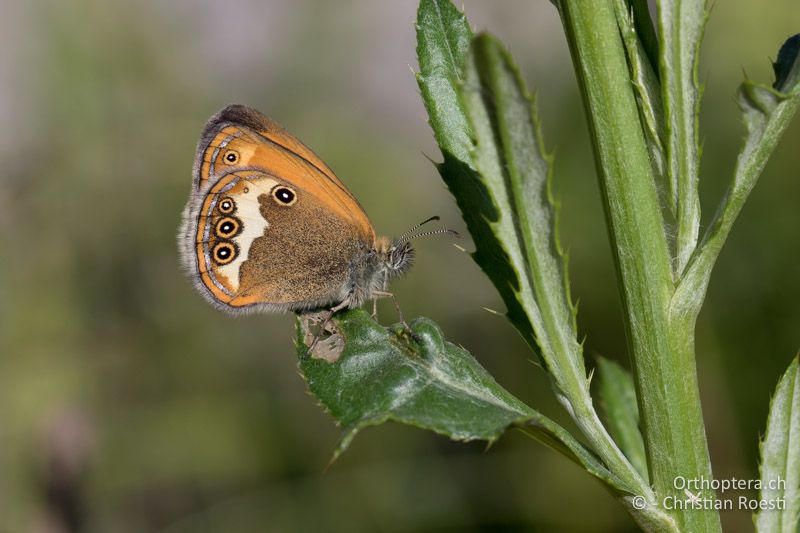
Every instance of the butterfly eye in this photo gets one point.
(231, 157)
(227, 227)
(226, 206)
(224, 253)
(284, 195)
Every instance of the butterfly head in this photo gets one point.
(396, 257)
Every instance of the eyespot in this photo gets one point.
(231, 157)
(284, 195)
(226, 206)
(227, 227)
(224, 252)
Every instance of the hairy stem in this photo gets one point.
(662, 355)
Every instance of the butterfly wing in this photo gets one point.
(268, 224)
(239, 137)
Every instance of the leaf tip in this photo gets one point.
(787, 65)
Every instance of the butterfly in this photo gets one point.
(269, 227)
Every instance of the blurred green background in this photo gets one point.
(128, 404)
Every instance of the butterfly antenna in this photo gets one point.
(454, 233)
(415, 228)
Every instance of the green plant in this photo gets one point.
(641, 94)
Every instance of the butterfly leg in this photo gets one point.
(374, 315)
(385, 294)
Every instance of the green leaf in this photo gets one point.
(443, 38)
(526, 262)
(633, 19)
(780, 457)
(643, 23)
(787, 66)
(766, 113)
(498, 171)
(418, 378)
(617, 395)
(681, 24)
(496, 168)
(385, 374)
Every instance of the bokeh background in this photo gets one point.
(128, 404)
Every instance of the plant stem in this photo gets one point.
(662, 353)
